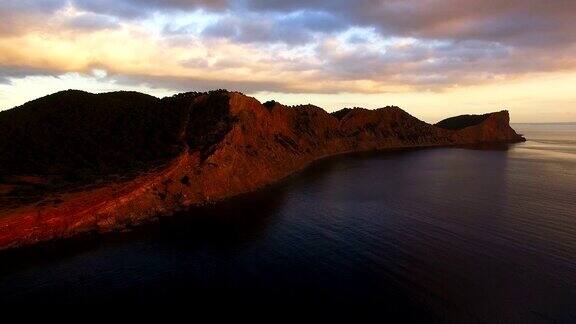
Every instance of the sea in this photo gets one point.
(440, 235)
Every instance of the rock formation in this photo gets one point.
(75, 162)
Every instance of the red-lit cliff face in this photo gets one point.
(228, 144)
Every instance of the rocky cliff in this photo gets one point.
(75, 162)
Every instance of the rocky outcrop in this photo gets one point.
(221, 144)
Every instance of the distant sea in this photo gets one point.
(431, 235)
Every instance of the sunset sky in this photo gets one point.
(433, 58)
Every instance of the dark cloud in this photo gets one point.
(295, 28)
(459, 41)
(314, 21)
(436, 66)
(183, 84)
(527, 23)
(256, 31)
(8, 72)
(91, 22)
(21, 6)
(17, 16)
(515, 22)
(475, 31)
(141, 8)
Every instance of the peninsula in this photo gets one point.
(75, 162)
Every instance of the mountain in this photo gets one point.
(73, 161)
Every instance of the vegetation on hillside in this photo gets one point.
(75, 132)
(463, 121)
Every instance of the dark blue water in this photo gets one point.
(450, 235)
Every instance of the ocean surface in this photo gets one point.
(476, 235)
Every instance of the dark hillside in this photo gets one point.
(75, 132)
(339, 114)
(462, 121)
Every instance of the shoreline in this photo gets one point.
(91, 238)
(119, 226)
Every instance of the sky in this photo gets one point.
(433, 58)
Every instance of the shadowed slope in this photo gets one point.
(462, 121)
(88, 134)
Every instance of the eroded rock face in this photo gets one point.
(222, 144)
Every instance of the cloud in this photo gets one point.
(290, 46)
(514, 22)
(92, 22)
(182, 83)
(256, 31)
(9, 72)
(17, 16)
(294, 28)
(527, 23)
(30, 6)
(140, 8)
